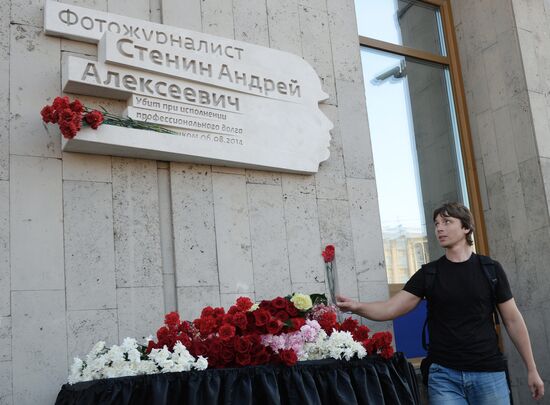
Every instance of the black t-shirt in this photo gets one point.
(460, 325)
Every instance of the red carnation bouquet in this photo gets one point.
(72, 115)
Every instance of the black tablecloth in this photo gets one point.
(371, 380)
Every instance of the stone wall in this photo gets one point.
(94, 247)
(504, 51)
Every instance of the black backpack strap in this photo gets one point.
(488, 266)
(430, 271)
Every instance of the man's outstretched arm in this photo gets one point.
(398, 305)
(517, 330)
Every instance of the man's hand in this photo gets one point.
(346, 304)
(535, 384)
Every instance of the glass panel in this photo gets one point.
(401, 22)
(416, 154)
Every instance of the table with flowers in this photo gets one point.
(289, 350)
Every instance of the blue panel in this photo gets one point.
(408, 331)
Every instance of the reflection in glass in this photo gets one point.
(416, 154)
(401, 22)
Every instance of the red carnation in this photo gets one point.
(172, 319)
(328, 253)
(297, 323)
(94, 119)
(244, 303)
(349, 325)
(60, 103)
(76, 106)
(226, 331)
(48, 114)
(207, 311)
(361, 333)
(68, 129)
(327, 321)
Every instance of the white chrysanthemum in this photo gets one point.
(76, 371)
(201, 363)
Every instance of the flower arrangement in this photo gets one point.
(70, 116)
(283, 330)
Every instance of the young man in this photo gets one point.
(467, 366)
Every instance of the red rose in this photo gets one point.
(261, 356)
(239, 320)
(291, 309)
(94, 119)
(386, 352)
(199, 349)
(288, 357)
(227, 354)
(226, 331)
(282, 315)
(243, 359)
(328, 253)
(242, 345)
(244, 303)
(261, 317)
(254, 340)
(172, 319)
(279, 303)
(274, 326)
(215, 347)
(47, 114)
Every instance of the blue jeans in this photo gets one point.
(453, 387)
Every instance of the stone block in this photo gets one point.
(250, 19)
(262, 177)
(269, 242)
(534, 319)
(36, 224)
(545, 169)
(343, 38)
(314, 27)
(373, 291)
(488, 142)
(188, 17)
(496, 214)
(303, 239)
(29, 12)
(34, 82)
(505, 140)
(354, 130)
(284, 25)
(140, 312)
(217, 18)
(228, 170)
(330, 180)
(481, 182)
(86, 328)
(530, 53)
(502, 16)
(536, 205)
(368, 246)
(39, 350)
(191, 300)
(4, 90)
(83, 167)
(320, 5)
(5, 284)
(309, 288)
(6, 397)
(232, 233)
(138, 259)
(5, 338)
(79, 48)
(89, 245)
(130, 8)
(193, 225)
(541, 122)
(335, 227)
(515, 204)
(295, 185)
(522, 128)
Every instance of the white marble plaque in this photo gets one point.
(227, 102)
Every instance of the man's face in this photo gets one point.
(449, 231)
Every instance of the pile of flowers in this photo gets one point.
(283, 330)
(70, 116)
